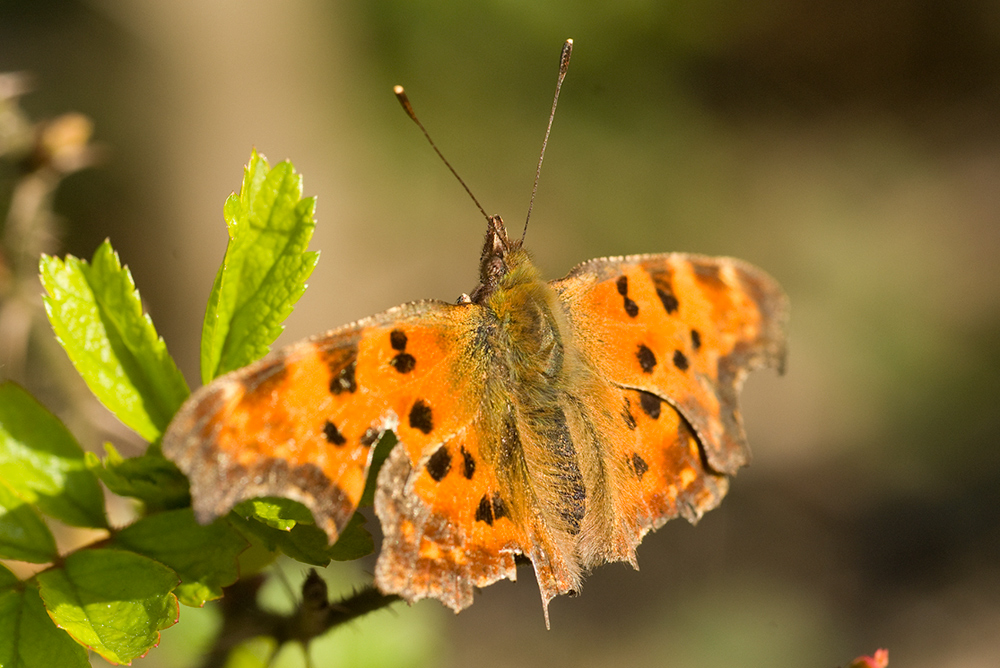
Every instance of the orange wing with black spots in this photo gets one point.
(686, 329)
(301, 422)
(447, 523)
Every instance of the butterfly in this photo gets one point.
(560, 420)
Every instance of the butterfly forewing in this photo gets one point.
(685, 329)
(301, 422)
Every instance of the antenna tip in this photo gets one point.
(564, 58)
(405, 101)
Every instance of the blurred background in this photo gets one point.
(851, 148)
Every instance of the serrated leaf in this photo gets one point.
(42, 463)
(304, 542)
(96, 313)
(28, 637)
(265, 267)
(23, 533)
(112, 601)
(203, 556)
(151, 478)
(275, 512)
(354, 542)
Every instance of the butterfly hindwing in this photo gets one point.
(301, 422)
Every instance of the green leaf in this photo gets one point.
(203, 556)
(42, 463)
(354, 542)
(382, 450)
(288, 526)
(303, 542)
(28, 638)
(112, 601)
(151, 478)
(97, 316)
(275, 512)
(23, 533)
(265, 268)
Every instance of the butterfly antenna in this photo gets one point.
(567, 50)
(405, 101)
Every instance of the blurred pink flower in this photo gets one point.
(878, 660)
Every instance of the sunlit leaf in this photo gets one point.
(28, 637)
(114, 602)
(42, 463)
(97, 316)
(275, 512)
(265, 268)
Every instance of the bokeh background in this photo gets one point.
(850, 147)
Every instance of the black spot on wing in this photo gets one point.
(647, 360)
(468, 464)
(403, 362)
(491, 508)
(695, 339)
(341, 361)
(680, 360)
(670, 302)
(343, 381)
(631, 308)
(650, 404)
(663, 280)
(439, 464)
(333, 434)
(484, 511)
(421, 417)
(639, 465)
(397, 339)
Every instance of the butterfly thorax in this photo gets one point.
(530, 363)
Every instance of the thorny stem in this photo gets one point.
(243, 619)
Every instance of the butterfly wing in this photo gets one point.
(301, 422)
(685, 328)
(675, 335)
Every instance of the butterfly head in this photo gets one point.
(501, 255)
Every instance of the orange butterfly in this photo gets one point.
(558, 420)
